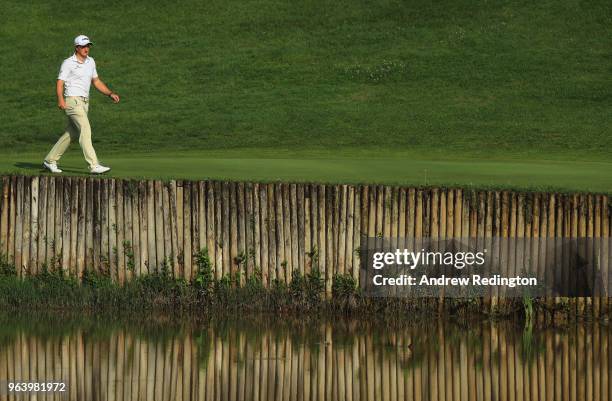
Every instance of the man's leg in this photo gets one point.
(80, 121)
(62, 144)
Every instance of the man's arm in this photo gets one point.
(101, 86)
(59, 90)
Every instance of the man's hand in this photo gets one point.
(59, 89)
(101, 86)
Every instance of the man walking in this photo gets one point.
(75, 77)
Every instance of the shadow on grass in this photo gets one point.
(30, 166)
(39, 167)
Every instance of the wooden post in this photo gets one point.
(97, 219)
(4, 216)
(149, 196)
(202, 218)
(322, 231)
(598, 278)
(582, 234)
(356, 242)
(74, 224)
(128, 244)
(350, 221)
(34, 225)
(42, 222)
(219, 244)
(225, 221)
(136, 241)
(104, 259)
(314, 228)
(211, 234)
(158, 220)
(186, 230)
(50, 234)
(330, 266)
(89, 224)
(119, 220)
(245, 231)
(112, 230)
(15, 222)
(606, 243)
(25, 245)
(284, 237)
(272, 233)
(66, 246)
(293, 230)
(233, 229)
(81, 221)
(266, 246)
(257, 232)
(302, 228)
(174, 231)
(340, 206)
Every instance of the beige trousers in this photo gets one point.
(78, 127)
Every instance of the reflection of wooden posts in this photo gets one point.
(606, 384)
(125, 367)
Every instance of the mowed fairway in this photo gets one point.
(497, 94)
(407, 170)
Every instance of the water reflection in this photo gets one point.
(278, 359)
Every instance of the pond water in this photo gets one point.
(273, 358)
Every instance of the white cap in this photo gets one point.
(82, 40)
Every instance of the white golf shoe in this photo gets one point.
(99, 169)
(52, 167)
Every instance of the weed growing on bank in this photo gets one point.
(53, 288)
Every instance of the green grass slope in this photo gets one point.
(452, 82)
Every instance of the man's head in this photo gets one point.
(82, 45)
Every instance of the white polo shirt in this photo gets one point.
(77, 76)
